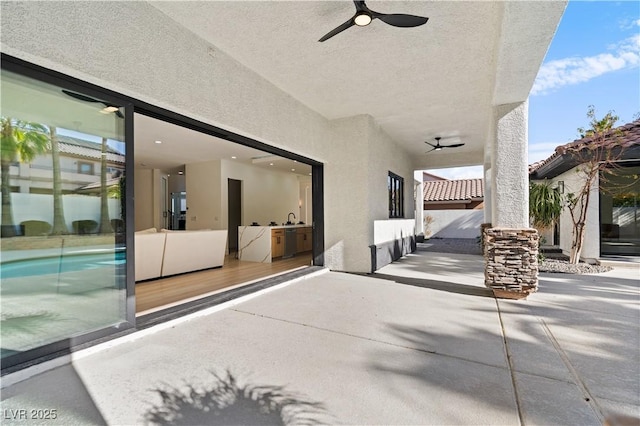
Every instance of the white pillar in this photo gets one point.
(509, 167)
(419, 204)
(488, 194)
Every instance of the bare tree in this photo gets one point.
(596, 155)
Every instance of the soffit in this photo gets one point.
(435, 80)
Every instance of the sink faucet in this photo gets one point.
(289, 217)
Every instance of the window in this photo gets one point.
(85, 168)
(395, 185)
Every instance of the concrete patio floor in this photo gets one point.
(420, 342)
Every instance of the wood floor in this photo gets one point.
(165, 292)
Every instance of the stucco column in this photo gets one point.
(511, 247)
(488, 194)
(509, 167)
(419, 203)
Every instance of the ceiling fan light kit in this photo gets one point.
(364, 16)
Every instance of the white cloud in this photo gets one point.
(563, 72)
(542, 151)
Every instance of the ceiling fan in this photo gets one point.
(438, 147)
(107, 107)
(364, 16)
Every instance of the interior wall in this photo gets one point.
(177, 183)
(143, 203)
(305, 206)
(203, 184)
(266, 195)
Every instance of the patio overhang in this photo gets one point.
(440, 79)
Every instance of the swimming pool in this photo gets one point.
(61, 264)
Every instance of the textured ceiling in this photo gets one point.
(438, 79)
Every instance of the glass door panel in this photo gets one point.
(63, 263)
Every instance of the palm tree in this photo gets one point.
(105, 223)
(59, 224)
(545, 205)
(21, 141)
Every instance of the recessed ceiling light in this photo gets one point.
(180, 172)
(271, 164)
(295, 161)
(234, 157)
(293, 170)
(158, 141)
(309, 174)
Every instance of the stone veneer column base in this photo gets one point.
(483, 236)
(511, 262)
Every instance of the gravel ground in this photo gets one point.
(553, 265)
(471, 246)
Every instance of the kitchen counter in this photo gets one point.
(254, 242)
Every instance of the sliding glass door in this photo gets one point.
(63, 235)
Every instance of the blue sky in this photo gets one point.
(594, 59)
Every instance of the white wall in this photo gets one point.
(143, 202)
(203, 184)
(76, 207)
(591, 247)
(305, 211)
(178, 72)
(266, 195)
(454, 223)
(392, 229)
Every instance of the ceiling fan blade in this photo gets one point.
(401, 20)
(119, 114)
(432, 149)
(455, 145)
(361, 6)
(430, 144)
(337, 30)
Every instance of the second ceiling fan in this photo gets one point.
(364, 16)
(438, 147)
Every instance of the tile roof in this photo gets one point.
(625, 136)
(454, 190)
(87, 149)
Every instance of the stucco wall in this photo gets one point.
(454, 223)
(591, 247)
(164, 64)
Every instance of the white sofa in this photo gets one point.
(164, 253)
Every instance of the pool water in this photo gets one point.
(61, 264)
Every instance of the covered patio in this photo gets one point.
(420, 342)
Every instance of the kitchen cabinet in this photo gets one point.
(303, 239)
(277, 243)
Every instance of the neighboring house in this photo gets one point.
(454, 194)
(428, 177)
(79, 166)
(613, 218)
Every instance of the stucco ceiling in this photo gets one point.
(439, 79)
